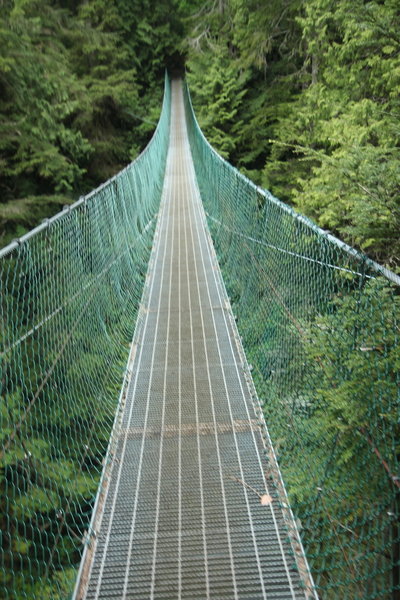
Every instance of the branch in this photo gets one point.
(380, 457)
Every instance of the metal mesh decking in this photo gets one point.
(181, 516)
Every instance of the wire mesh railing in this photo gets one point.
(320, 326)
(70, 292)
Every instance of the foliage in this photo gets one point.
(302, 97)
(316, 89)
(80, 96)
(220, 95)
(320, 327)
(40, 152)
(344, 124)
(69, 300)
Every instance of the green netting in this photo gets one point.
(320, 327)
(70, 293)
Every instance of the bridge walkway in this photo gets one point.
(181, 516)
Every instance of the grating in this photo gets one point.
(182, 516)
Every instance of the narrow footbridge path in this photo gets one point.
(143, 468)
(189, 510)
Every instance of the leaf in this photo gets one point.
(265, 499)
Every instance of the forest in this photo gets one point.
(303, 98)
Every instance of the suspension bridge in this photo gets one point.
(156, 336)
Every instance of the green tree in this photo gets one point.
(335, 151)
(41, 154)
(81, 87)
